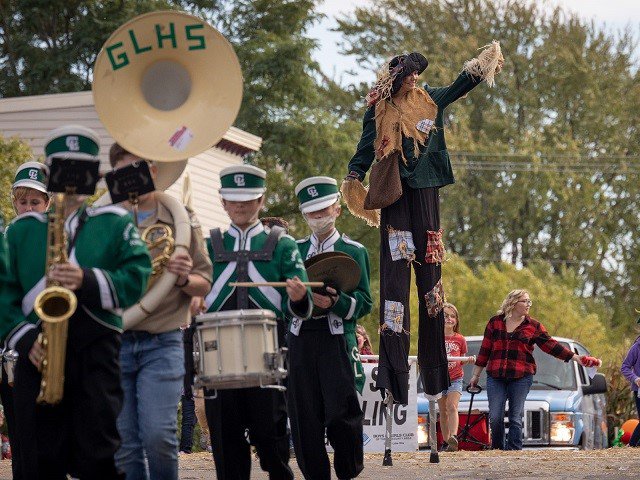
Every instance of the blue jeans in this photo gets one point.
(152, 375)
(499, 390)
(635, 436)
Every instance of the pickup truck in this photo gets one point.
(565, 408)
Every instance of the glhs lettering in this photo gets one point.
(120, 53)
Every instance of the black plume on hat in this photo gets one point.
(406, 64)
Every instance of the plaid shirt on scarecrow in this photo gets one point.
(510, 355)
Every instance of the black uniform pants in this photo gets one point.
(416, 212)
(187, 401)
(262, 412)
(322, 394)
(6, 394)
(79, 435)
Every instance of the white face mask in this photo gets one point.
(321, 225)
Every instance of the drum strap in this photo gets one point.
(243, 257)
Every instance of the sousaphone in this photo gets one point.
(167, 86)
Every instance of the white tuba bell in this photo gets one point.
(167, 86)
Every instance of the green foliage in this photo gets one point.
(620, 402)
(290, 104)
(13, 152)
(547, 161)
(478, 295)
(49, 46)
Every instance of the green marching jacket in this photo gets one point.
(285, 263)
(115, 263)
(432, 168)
(350, 305)
(7, 289)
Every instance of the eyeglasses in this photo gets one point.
(528, 302)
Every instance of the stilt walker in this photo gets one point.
(403, 143)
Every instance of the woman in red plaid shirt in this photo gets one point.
(507, 352)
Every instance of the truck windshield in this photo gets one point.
(552, 374)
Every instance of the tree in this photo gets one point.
(546, 161)
(13, 152)
(49, 46)
(288, 102)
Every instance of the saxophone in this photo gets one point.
(54, 305)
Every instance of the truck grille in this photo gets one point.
(536, 423)
(534, 420)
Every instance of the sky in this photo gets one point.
(614, 15)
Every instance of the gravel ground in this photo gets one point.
(618, 463)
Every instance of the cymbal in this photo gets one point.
(336, 269)
(310, 261)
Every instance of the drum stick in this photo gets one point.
(413, 358)
(272, 284)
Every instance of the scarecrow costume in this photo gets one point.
(324, 357)
(404, 135)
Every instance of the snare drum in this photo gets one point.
(238, 349)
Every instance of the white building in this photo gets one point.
(32, 118)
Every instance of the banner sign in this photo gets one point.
(405, 417)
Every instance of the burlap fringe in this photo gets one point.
(384, 84)
(354, 194)
(406, 112)
(484, 66)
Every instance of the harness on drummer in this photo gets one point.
(243, 258)
(239, 347)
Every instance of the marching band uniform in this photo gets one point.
(324, 356)
(152, 360)
(256, 254)
(79, 435)
(31, 176)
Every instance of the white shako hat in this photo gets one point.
(72, 142)
(317, 193)
(31, 175)
(242, 183)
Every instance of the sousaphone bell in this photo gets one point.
(167, 86)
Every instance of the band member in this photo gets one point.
(29, 192)
(249, 251)
(107, 270)
(323, 351)
(152, 354)
(403, 129)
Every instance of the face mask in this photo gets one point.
(321, 225)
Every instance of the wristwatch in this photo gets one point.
(186, 282)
